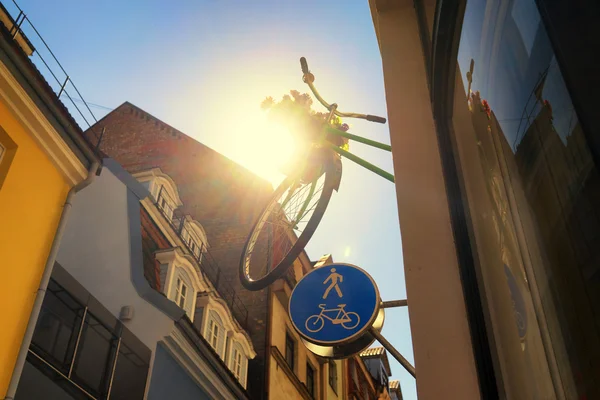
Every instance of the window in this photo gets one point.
(290, 345)
(165, 202)
(194, 238)
(310, 379)
(238, 363)
(89, 351)
(531, 177)
(192, 245)
(215, 333)
(333, 378)
(181, 293)
(8, 149)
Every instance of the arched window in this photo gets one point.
(215, 333)
(238, 363)
(194, 237)
(163, 190)
(165, 197)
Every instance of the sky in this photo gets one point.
(204, 67)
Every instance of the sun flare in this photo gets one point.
(265, 147)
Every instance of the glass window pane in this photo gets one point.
(95, 356)
(333, 375)
(57, 327)
(310, 379)
(533, 190)
(129, 381)
(289, 350)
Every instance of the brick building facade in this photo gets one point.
(223, 196)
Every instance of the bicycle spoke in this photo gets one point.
(284, 221)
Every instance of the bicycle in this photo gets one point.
(296, 208)
(315, 323)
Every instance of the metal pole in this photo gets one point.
(101, 136)
(362, 163)
(112, 372)
(388, 346)
(393, 303)
(62, 88)
(360, 139)
(17, 25)
(85, 310)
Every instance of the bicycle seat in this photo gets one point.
(341, 305)
(321, 305)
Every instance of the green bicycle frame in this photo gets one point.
(356, 159)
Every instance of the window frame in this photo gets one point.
(238, 360)
(216, 332)
(173, 292)
(213, 333)
(165, 202)
(312, 387)
(333, 376)
(181, 292)
(290, 351)
(7, 154)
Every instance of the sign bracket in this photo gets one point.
(388, 346)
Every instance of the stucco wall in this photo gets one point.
(281, 386)
(439, 326)
(31, 198)
(96, 250)
(170, 381)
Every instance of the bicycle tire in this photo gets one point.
(287, 261)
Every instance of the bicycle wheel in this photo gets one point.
(284, 228)
(314, 323)
(354, 320)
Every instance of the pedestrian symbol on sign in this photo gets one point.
(334, 277)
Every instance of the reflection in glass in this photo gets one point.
(534, 193)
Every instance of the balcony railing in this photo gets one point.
(204, 258)
(33, 44)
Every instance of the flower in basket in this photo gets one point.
(486, 107)
(295, 113)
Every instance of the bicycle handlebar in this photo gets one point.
(309, 78)
(375, 118)
(303, 65)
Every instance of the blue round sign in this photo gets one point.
(334, 303)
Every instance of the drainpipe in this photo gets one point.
(41, 292)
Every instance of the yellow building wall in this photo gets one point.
(280, 385)
(31, 200)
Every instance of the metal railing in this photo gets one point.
(204, 258)
(33, 44)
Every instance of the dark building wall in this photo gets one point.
(170, 381)
(223, 196)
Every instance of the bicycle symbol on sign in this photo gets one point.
(348, 320)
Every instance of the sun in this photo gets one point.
(265, 147)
